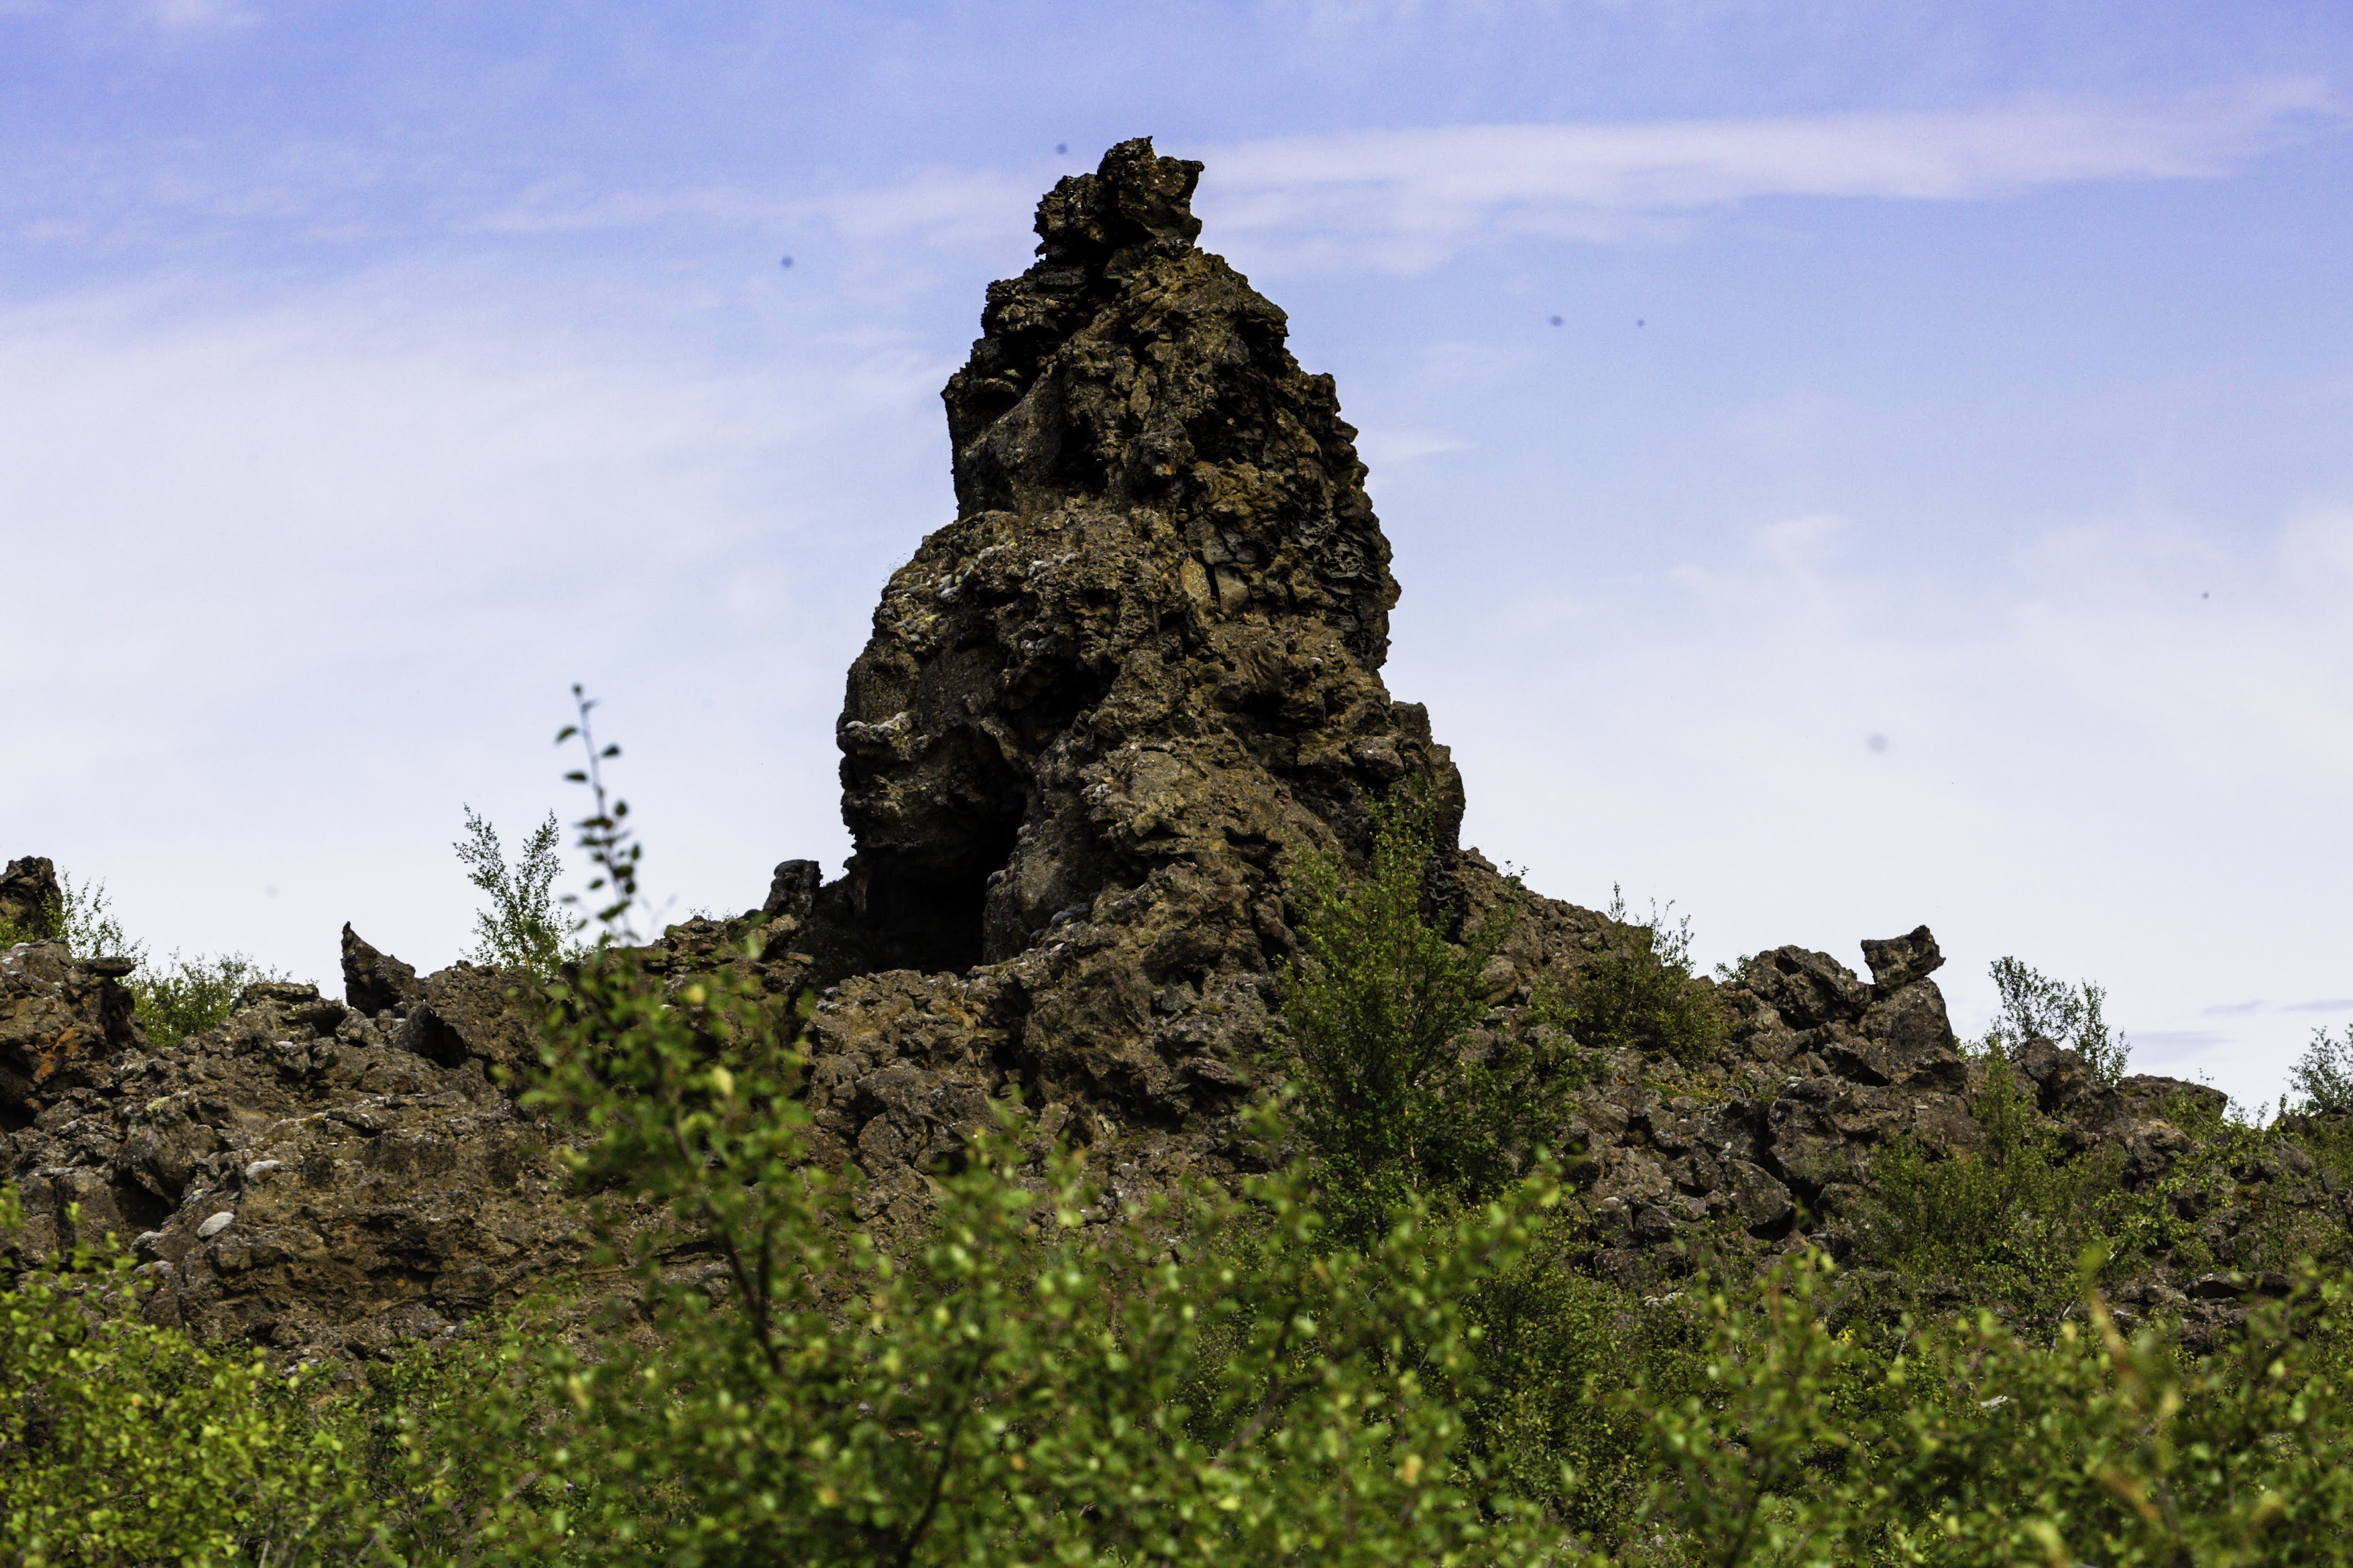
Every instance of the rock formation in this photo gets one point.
(1150, 643)
(305, 1176)
(29, 894)
(1100, 713)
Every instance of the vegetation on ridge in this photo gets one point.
(1391, 1350)
(174, 997)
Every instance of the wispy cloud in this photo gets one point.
(191, 13)
(2165, 1044)
(1408, 198)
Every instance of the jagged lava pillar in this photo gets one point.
(1151, 641)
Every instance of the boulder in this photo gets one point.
(1897, 962)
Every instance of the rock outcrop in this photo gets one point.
(302, 1177)
(1101, 714)
(29, 895)
(1150, 643)
(1100, 709)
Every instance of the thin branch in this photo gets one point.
(923, 1524)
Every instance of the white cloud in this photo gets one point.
(1385, 449)
(194, 13)
(1417, 195)
(944, 206)
(559, 207)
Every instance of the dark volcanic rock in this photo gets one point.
(1100, 709)
(1899, 961)
(793, 888)
(375, 981)
(1150, 643)
(29, 894)
(295, 1178)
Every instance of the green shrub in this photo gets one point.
(2323, 1076)
(2005, 1221)
(1570, 1366)
(123, 1443)
(46, 927)
(173, 998)
(78, 914)
(1026, 1378)
(1639, 994)
(2035, 1007)
(1964, 1444)
(1375, 1021)
(185, 996)
(521, 929)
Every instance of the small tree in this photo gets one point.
(1639, 992)
(521, 930)
(1376, 1017)
(176, 996)
(2035, 1007)
(84, 919)
(2323, 1076)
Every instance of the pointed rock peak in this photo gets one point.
(376, 982)
(1150, 642)
(1135, 198)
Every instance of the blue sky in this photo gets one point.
(1933, 502)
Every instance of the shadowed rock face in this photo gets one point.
(1152, 635)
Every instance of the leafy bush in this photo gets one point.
(1964, 1444)
(174, 997)
(2035, 1007)
(1031, 1377)
(78, 914)
(2323, 1076)
(1639, 994)
(48, 925)
(521, 929)
(1397, 1112)
(1376, 1020)
(2006, 1221)
(1568, 1368)
(185, 996)
(123, 1442)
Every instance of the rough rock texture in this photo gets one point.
(301, 1177)
(375, 981)
(1098, 710)
(1150, 643)
(1099, 713)
(28, 892)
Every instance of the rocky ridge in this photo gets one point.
(1101, 713)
